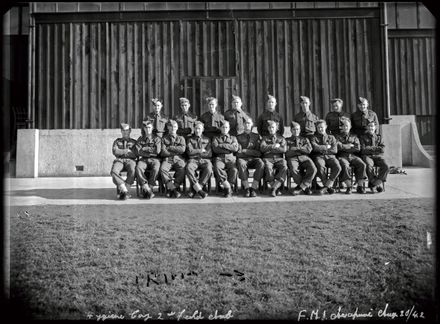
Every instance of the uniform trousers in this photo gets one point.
(147, 164)
(321, 163)
(244, 164)
(351, 160)
(225, 169)
(120, 165)
(205, 167)
(280, 166)
(297, 164)
(376, 160)
(175, 163)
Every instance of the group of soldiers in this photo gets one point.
(227, 146)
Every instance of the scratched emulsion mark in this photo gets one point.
(154, 278)
(163, 278)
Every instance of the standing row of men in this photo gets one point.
(226, 146)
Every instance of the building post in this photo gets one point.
(385, 62)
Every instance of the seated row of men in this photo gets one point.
(272, 156)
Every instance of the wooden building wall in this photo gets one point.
(96, 74)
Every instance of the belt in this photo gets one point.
(225, 155)
(171, 157)
(273, 156)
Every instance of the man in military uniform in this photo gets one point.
(324, 149)
(273, 147)
(225, 170)
(148, 147)
(372, 149)
(185, 120)
(198, 148)
(334, 117)
(306, 119)
(297, 156)
(349, 145)
(212, 119)
(125, 160)
(173, 147)
(236, 116)
(248, 156)
(158, 119)
(270, 114)
(362, 117)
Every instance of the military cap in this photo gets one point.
(236, 97)
(270, 97)
(272, 123)
(155, 101)
(224, 122)
(125, 126)
(371, 122)
(293, 124)
(363, 100)
(209, 99)
(304, 98)
(171, 122)
(336, 100)
(146, 123)
(345, 120)
(183, 100)
(321, 121)
(198, 122)
(248, 118)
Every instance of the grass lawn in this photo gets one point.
(258, 261)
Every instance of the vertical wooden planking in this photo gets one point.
(99, 120)
(251, 86)
(172, 71)
(241, 63)
(429, 62)
(63, 69)
(325, 72)
(49, 71)
(423, 88)
(92, 78)
(164, 92)
(114, 55)
(136, 69)
(108, 75)
(150, 75)
(205, 52)
(253, 110)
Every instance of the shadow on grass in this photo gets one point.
(72, 193)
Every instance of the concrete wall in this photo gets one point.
(58, 153)
(413, 152)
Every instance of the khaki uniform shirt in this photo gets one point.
(307, 122)
(147, 147)
(124, 149)
(269, 115)
(298, 146)
(343, 143)
(360, 121)
(248, 145)
(159, 123)
(195, 146)
(371, 144)
(212, 123)
(333, 120)
(224, 146)
(268, 148)
(236, 119)
(319, 145)
(186, 123)
(173, 146)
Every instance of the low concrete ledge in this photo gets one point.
(413, 152)
(77, 152)
(27, 153)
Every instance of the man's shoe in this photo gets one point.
(228, 193)
(123, 195)
(247, 193)
(252, 193)
(279, 193)
(177, 194)
(297, 191)
(273, 192)
(318, 187)
(308, 191)
(348, 191)
(203, 194)
(146, 194)
(191, 193)
(379, 188)
(360, 189)
(330, 190)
